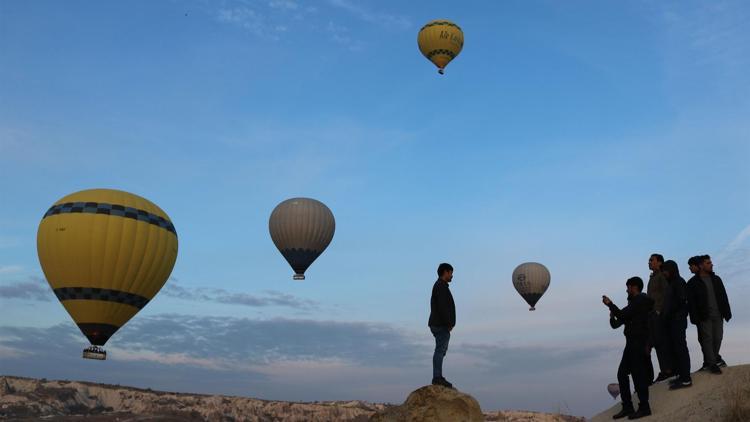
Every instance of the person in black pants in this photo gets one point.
(635, 317)
(442, 320)
(709, 308)
(674, 313)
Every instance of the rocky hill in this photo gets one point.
(32, 399)
(715, 398)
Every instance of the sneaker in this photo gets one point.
(663, 376)
(681, 384)
(673, 381)
(721, 363)
(441, 381)
(704, 367)
(627, 410)
(643, 411)
(714, 369)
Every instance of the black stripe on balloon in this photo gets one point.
(94, 293)
(439, 51)
(532, 298)
(111, 209)
(440, 23)
(300, 259)
(98, 334)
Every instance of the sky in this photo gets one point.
(583, 135)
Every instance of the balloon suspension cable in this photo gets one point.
(298, 277)
(441, 71)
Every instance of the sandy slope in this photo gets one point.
(705, 401)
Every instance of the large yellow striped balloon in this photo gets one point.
(440, 41)
(105, 253)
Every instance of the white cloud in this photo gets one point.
(367, 15)
(244, 17)
(10, 269)
(283, 4)
(170, 358)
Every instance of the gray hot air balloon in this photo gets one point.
(301, 228)
(531, 279)
(613, 390)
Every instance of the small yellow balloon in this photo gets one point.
(440, 41)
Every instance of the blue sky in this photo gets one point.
(583, 135)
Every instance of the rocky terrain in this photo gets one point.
(714, 398)
(33, 399)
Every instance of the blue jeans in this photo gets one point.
(442, 337)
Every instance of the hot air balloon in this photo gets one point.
(301, 228)
(440, 41)
(531, 280)
(105, 253)
(613, 390)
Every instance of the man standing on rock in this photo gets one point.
(635, 317)
(709, 308)
(442, 320)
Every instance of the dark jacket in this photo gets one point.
(442, 307)
(656, 289)
(675, 300)
(635, 316)
(698, 299)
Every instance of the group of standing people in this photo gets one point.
(658, 319)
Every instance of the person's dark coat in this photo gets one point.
(698, 299)
(442, 307)
(635, 316)
(675, 300)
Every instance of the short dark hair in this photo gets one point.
(696, 260)
(703, 258)
(635, 281)
(442, 268)
(658, 257)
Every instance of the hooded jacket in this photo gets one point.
(675, 300)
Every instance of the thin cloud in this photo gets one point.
(370, 16)
(10, 269)
(734, 260)
(245, 18)
(283, 4)
(340, 35)
(271, 298)
(261, 341)
(27, 290)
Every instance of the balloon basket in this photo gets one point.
(441, 71)
(532, 309)
(298, 277)
(94, 352)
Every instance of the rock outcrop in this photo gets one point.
(724, 397)
(433, 403)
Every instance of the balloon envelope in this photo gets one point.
(301, 228)
(613, 390)
(531, 280)
(105, 253)
(440, 41)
